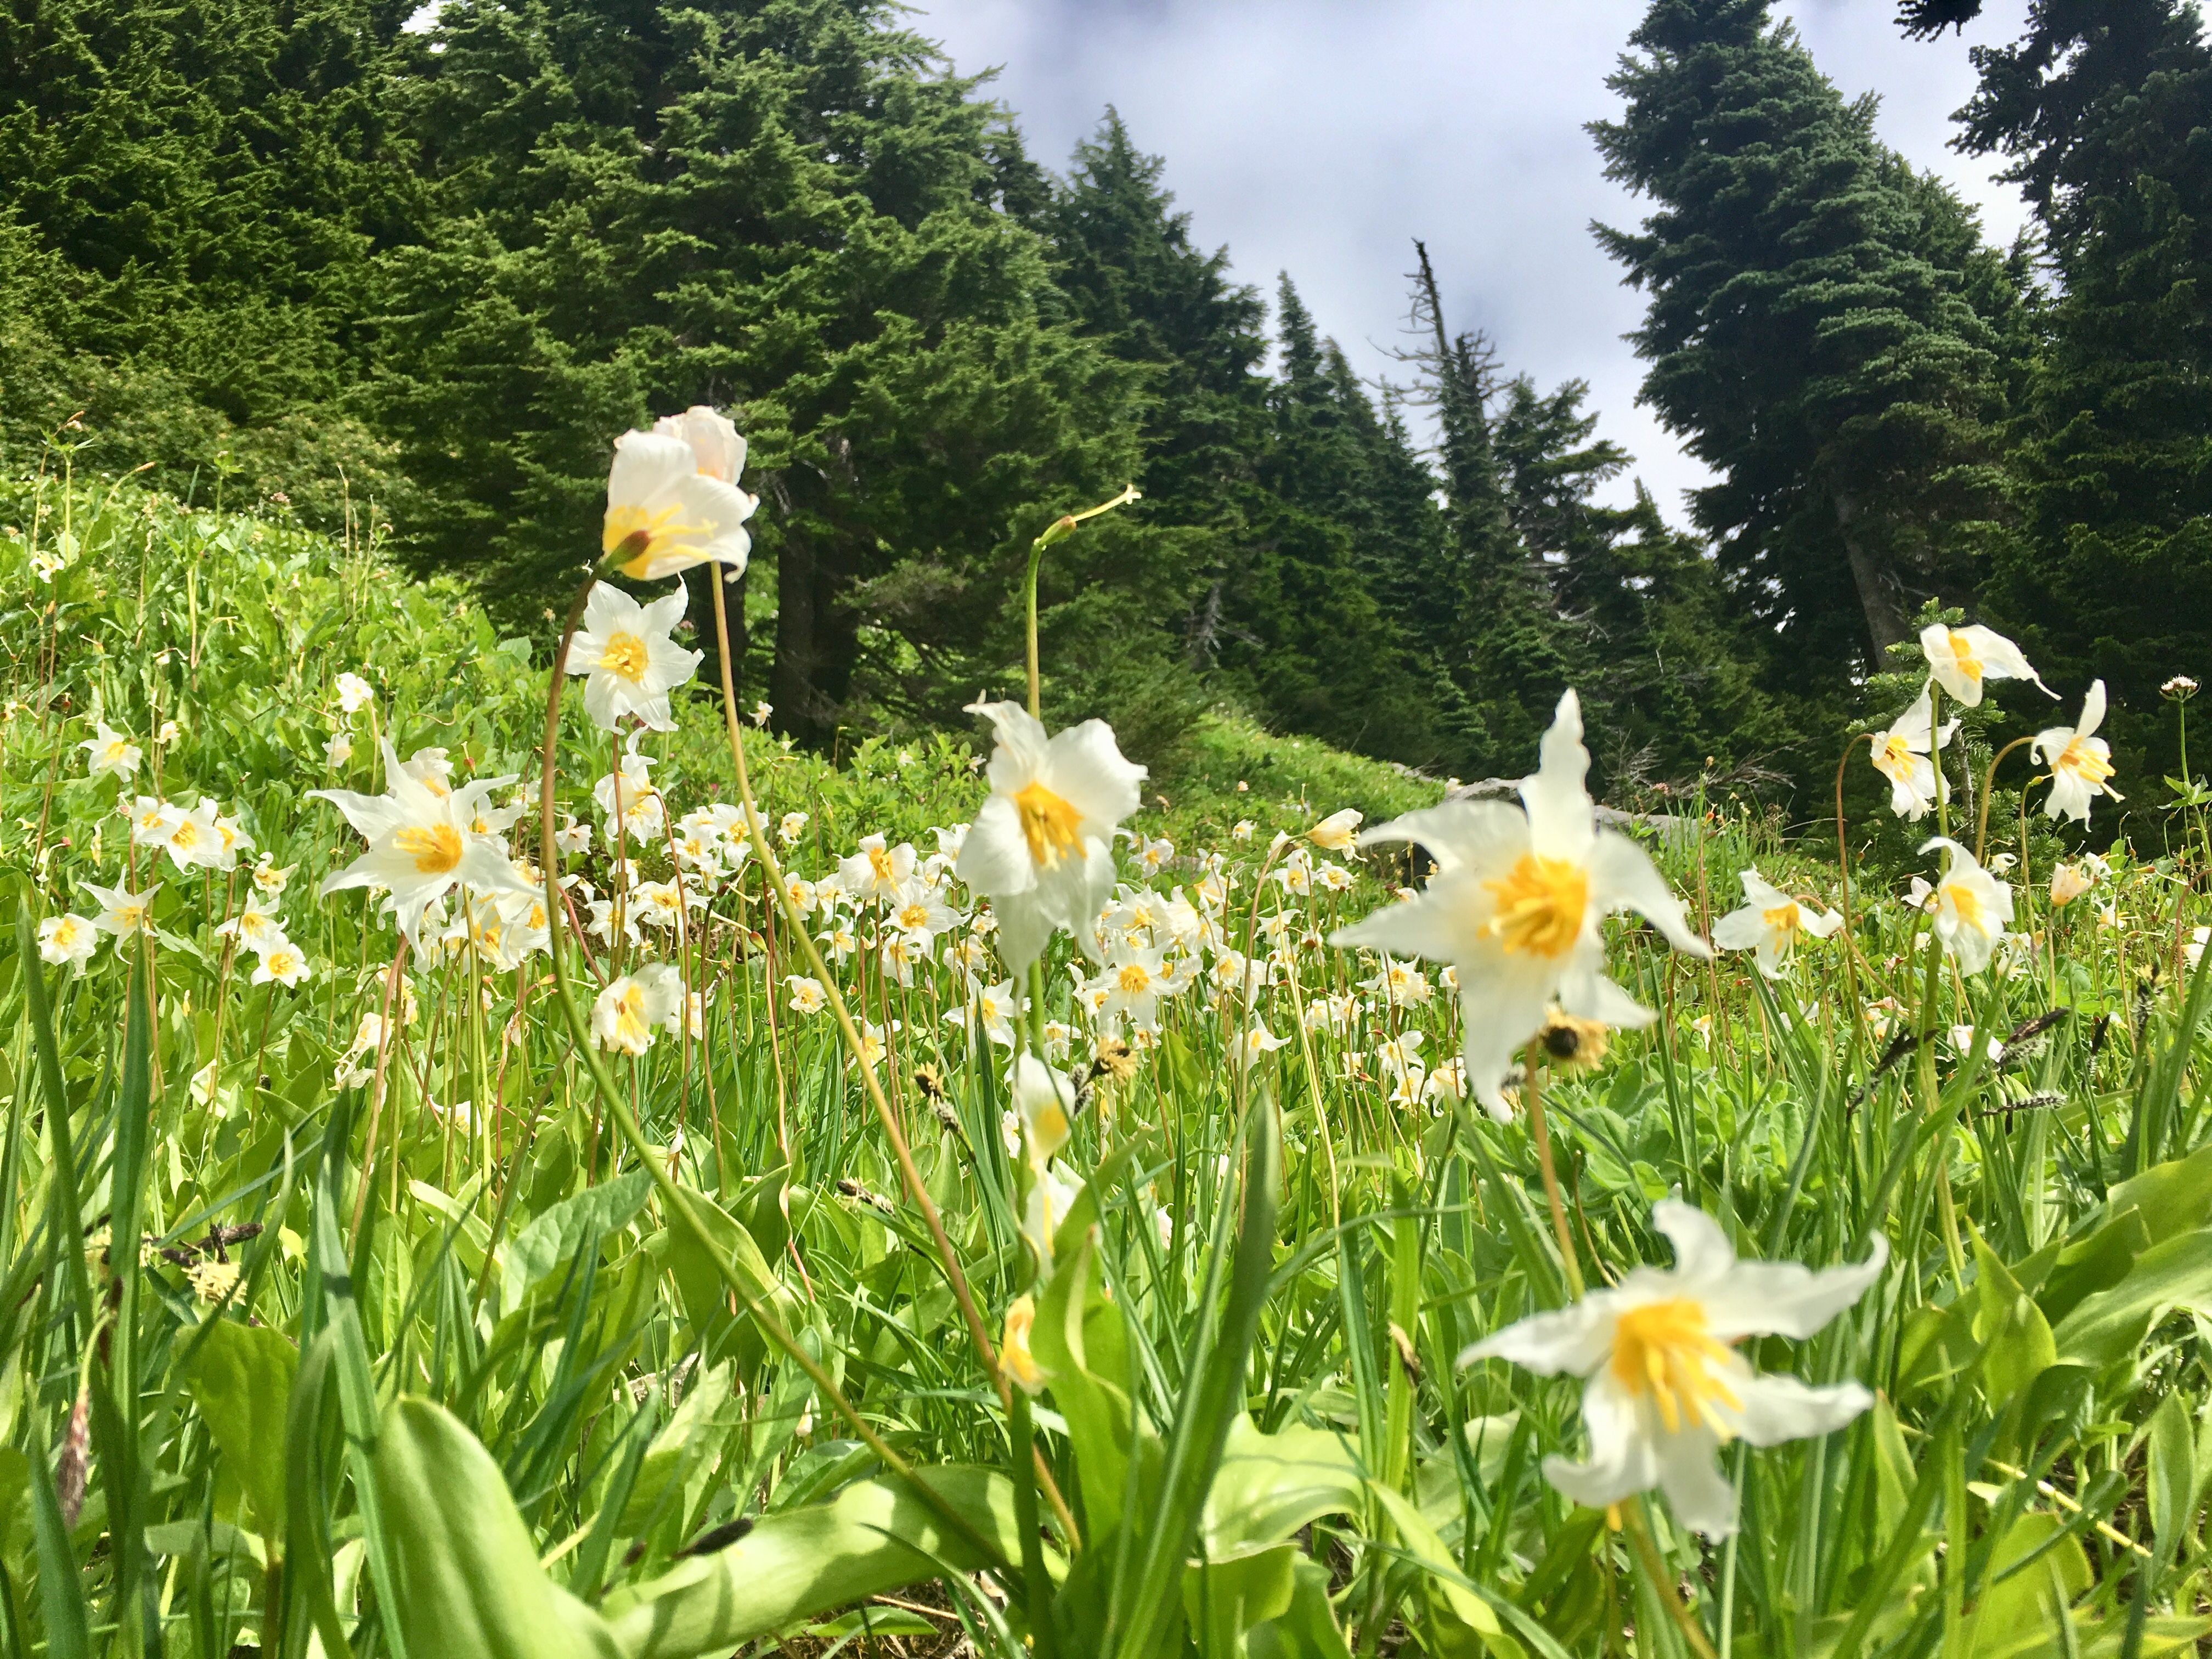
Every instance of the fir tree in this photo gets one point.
(2103, 110)
(1809, 332)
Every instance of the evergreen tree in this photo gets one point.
(784, 209)
(1810, 332)
(2103, 109)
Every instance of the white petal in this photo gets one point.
(1576, 1340)
(1561, 819)
(1084, 767)
(1702, 1251)
(1505, 1009)
(1777, 1408)
(1587, 994)
(995, 857)
(1022, 928)
(645, 467)
(1740, 930)
(2092, 709)
(1622, 874)
(1482, 834)
(665, 613)
(1624, 1459)
(1701, 1499)
(1783, 1298)
(1428, 926)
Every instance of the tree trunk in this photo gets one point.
(799, 705)
(1877, 586)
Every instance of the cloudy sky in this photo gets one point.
(1321, 136)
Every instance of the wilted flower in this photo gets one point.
(1769, 922)
(1667, 1387)
(1515, 906)
(1971, 907)
(1041, 846)
(1965, 659)
(1901, 755)
(2081, 762)
(112, 753)
(633, 664)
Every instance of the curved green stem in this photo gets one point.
(1989, 782)
(1058, 530)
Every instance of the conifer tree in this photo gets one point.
(2102, 109)
(1809, 332)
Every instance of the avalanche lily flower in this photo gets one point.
(1515, 906)
(2081, 762)
(354, 693)
(667, 511)
(1901, 755)
(282, 964)
(1769, 922)
(2067, 884)
(1971, 907)
(633, 664)
(123, 913)
(1044, 1098)
(1015, 1358)
(112, 753)
(1042, 846)
(420, 845)
(627, 1013)
(1965, 659)
(807, 996)
(67, 938)
(1337, 832)
(1667, 1387)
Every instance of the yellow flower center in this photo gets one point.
(630, 1017)
(880, 862)
(434, 850)
(279, 965)
(1133, 980)
(625, 655)
(1782, 919)
(114, 753)
(186, 834)
(66, 934)
(1967, 904)
(129, 916)
(1962, 653)
(1540, 906)
(1666, 1350)
(642, 535)
(914, 917)
(1894, 757)
(1049, 824)
(2085, 763)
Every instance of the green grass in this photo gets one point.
(482, 1387)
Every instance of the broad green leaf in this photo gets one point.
(877, 1536)
(551, 1238)
(469, 1584)
(1079, 1339)
(1222, 1599)
(707, 1300)
(241, 1378)
(1270, 1484)
(2016, 1342)
(2171, 1475)
(1306, 1629)
(2113, 1323)
(1419, 1540)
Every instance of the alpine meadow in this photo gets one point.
(774, 887)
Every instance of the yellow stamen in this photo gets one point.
(2085, 763)
(643, 536)
(1782, 919)
(1962, 651)
(1540, 906)
(1666, 1350)
(1048, 823)
(1134, 980)
(435, 850)
(1967, 904)
(625, 655)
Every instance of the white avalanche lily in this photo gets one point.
(122, 913)
(420, 843)
(665, 513)
(1769, 922)
(1965, 659)
(1515, 905)
(1667, 1387)
(67, 938)
(627, 1013)
(1971, 907)
(2081, 762)
(112, 753)
(1901, 755)
(1042, 846)
(1045, 1098)
(633, 664)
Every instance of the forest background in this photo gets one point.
(403, 278)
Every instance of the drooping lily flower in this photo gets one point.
(421, 846)
(1964, 660)
(1515, 906)
(1042, 846)
(1771, 922)
(1971, 907)
(1667, 1386)
(667, 513)
(2081, 762)
(1901, 754)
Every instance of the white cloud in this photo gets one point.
(1320, 137)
